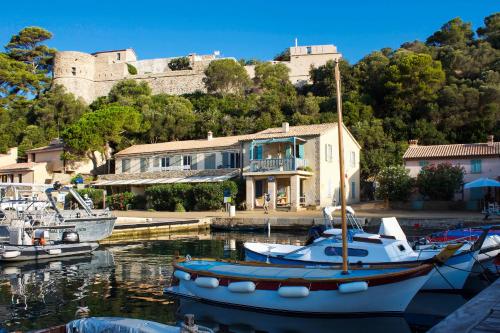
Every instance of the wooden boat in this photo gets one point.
(302, 289)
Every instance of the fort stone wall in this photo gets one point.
(92, 75)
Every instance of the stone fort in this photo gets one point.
(92, 75)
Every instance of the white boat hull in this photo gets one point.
(390, 298)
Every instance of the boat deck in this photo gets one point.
(479, 315)
(230, 269)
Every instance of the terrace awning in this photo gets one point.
(292, 139)
(145, 181)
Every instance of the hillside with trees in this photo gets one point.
(445, 89)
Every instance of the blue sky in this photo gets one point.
(241, 29)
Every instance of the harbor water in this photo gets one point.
(127, 278)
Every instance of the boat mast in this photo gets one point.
(342, 172)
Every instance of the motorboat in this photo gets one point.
(389, 246)
(37, 243)
(307, 289)
(63, 210)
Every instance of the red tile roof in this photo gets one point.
(17, 166)
(450, 151)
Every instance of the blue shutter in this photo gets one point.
(258, 153)
(288, 151)
(225, 160)
(302, 153)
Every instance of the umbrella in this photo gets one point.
(482, 182)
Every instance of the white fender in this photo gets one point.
(242, 287)
(54, 251)
(293, 291)
(353, 287)
(11, 270)
(206, 282)
(181, 275)
(11, 254)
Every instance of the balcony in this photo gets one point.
(277, 164)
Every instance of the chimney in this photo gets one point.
(285, 127)
(491, 138)
(210, 135)
(413, 142)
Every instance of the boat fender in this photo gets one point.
(293, 292)
(11, 270)
(206, 282)
(54, 251)
(11, 254)
(353, 287)
(181, 275)
(244, 287)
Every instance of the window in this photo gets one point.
(423, 163)
(33, 157)
(186, 160)
(353, 190)
(144, 164)
(351, 252)
(401, 247)
(230, 160)
(309, 50)
(19, 178)
(353, 159)
(210, 161)
(475, 166)
(125, 165)
(118, 56)
(165, 162)
(73, 71)
(4, 178)
(328, 153)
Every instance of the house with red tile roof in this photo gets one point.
(44, 165)
(479, 160)
(296, 165)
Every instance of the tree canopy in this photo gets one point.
(445, 89)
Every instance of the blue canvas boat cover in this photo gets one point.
(119, 325)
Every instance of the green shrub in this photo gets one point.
(121, 201)
(395, 183)
(208, 196)
(179, 207)
(165, 197)
(178, 64)
(131, 69)
(96, 195)
(440, 182)
(187, 197)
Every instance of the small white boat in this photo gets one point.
(39, 252)
(302, 289)
(373, 249)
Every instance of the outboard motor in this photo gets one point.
(70, 237)
(314, 233)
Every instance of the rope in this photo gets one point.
(449, 283)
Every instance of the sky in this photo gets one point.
(241, 29)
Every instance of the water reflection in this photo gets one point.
(225, 319)
(126, 278)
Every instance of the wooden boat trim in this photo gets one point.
(408, 273)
